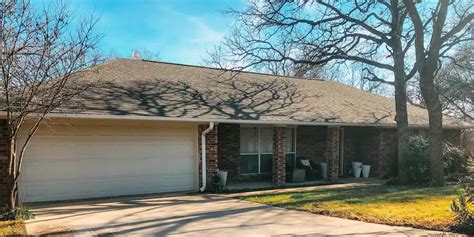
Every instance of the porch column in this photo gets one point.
(211, 152)
(333, 153)
(3, 163)
(279, 153)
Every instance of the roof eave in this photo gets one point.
(235, 121)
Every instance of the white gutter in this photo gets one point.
(203, 156)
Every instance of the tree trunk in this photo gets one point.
(12, 184)
(430, 94)
(435, 145)
(13, 195)
(401, 108)
(402, 128)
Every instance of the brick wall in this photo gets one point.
(279, 147)
(211, 152)
(388, 145)
(362, 144)
(3, 163)
(453, 136)
(311, 143)
(374, 146)
(229, 150)
(468, 140)
(333, 152)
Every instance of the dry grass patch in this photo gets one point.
(427, 208)
(12, 228)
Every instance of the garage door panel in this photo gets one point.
(62, 189)
(73, 162)
(110, 165)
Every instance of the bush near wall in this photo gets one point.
(456, 161)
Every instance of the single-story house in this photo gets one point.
(151, 127)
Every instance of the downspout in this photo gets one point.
(203, 156)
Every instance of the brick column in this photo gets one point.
(279, 152)
(333, 152)
(3, 163)
(211, 152)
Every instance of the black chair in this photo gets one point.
(312, 169)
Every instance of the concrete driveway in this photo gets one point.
(193, 215)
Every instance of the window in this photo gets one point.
(256, 150)
(290, 148)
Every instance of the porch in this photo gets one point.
(259, 157)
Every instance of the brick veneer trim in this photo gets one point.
(279, 151)
(333, 152)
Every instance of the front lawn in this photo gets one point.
(427, 208)
(12, 228)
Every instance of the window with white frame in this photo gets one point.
(256, 150)
(290, 148)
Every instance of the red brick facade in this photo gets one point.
(387, 153)
(467, 140)
(211, 152)
(311, 143)
(229, 150)
(279, 154)
(453, 136)
(3, 163)
(333, 152)
(229, 155)
(371, 146)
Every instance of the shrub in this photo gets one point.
(462, 208)
(417, 163)
(455, 160)
(19, 213)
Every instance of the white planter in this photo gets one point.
(223, 177)
(357, 172)
(365, 171)
(324, 170)
(355, 165)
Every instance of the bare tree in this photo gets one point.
(435, 37)
(41, 57)
(456, 85)
(373, 34)
(150, 55)
(219, 58)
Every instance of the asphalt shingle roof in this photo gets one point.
(148, 88)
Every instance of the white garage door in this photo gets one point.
(82, 161)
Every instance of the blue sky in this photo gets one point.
(180, 30)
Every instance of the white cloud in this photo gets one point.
(203, 32)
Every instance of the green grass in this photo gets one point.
(12, 228)
(394, 205)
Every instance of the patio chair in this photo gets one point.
(312, 170)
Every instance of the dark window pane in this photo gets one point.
(248, 164)
(290, 161)
(266, 163)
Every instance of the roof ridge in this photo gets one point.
(219, 69)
